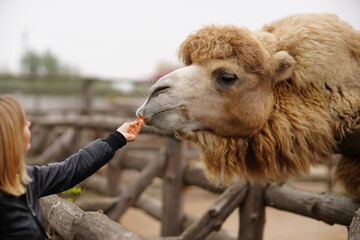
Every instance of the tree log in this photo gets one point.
(58, 147)
(252, 214)
(70, 222)
(172, 213)
(133, 191)
(113, 174)
(95, 204)
(217, 213)
(354, 229)
(328, 208)
(150, 205)
(96, 183)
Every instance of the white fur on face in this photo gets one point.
(181, 101)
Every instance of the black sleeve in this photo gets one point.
(57, 177)
(116, 140)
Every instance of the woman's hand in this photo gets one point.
(131, 129)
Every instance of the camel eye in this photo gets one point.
(224, 77)
(228, 79)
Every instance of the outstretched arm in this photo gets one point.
(57, 177)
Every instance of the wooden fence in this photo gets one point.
(54, 137)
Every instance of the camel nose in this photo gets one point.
(162, 86)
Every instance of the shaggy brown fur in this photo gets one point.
(316, 90)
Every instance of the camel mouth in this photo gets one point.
(172, 119)
(149, 120)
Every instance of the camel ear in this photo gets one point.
(282, 65)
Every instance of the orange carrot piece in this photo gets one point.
(138, 120)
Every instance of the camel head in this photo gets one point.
(256, 114)
(225, 88)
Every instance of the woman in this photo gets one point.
(21, 186)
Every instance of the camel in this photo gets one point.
(262, 105)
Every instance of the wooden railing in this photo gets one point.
(170, 164)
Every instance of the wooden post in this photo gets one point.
(87, 96)
(76, 145)
(113, 174)
(354, 229)
(173, 189)
(37, 96)
(133, 191)
(218, 212)
(252, 214)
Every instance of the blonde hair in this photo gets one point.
(13, 171)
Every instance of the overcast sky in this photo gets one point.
(127, 39)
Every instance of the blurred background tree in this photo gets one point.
(30, 62)
(45, 64)
(50, 63)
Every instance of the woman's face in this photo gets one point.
(27, 135)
